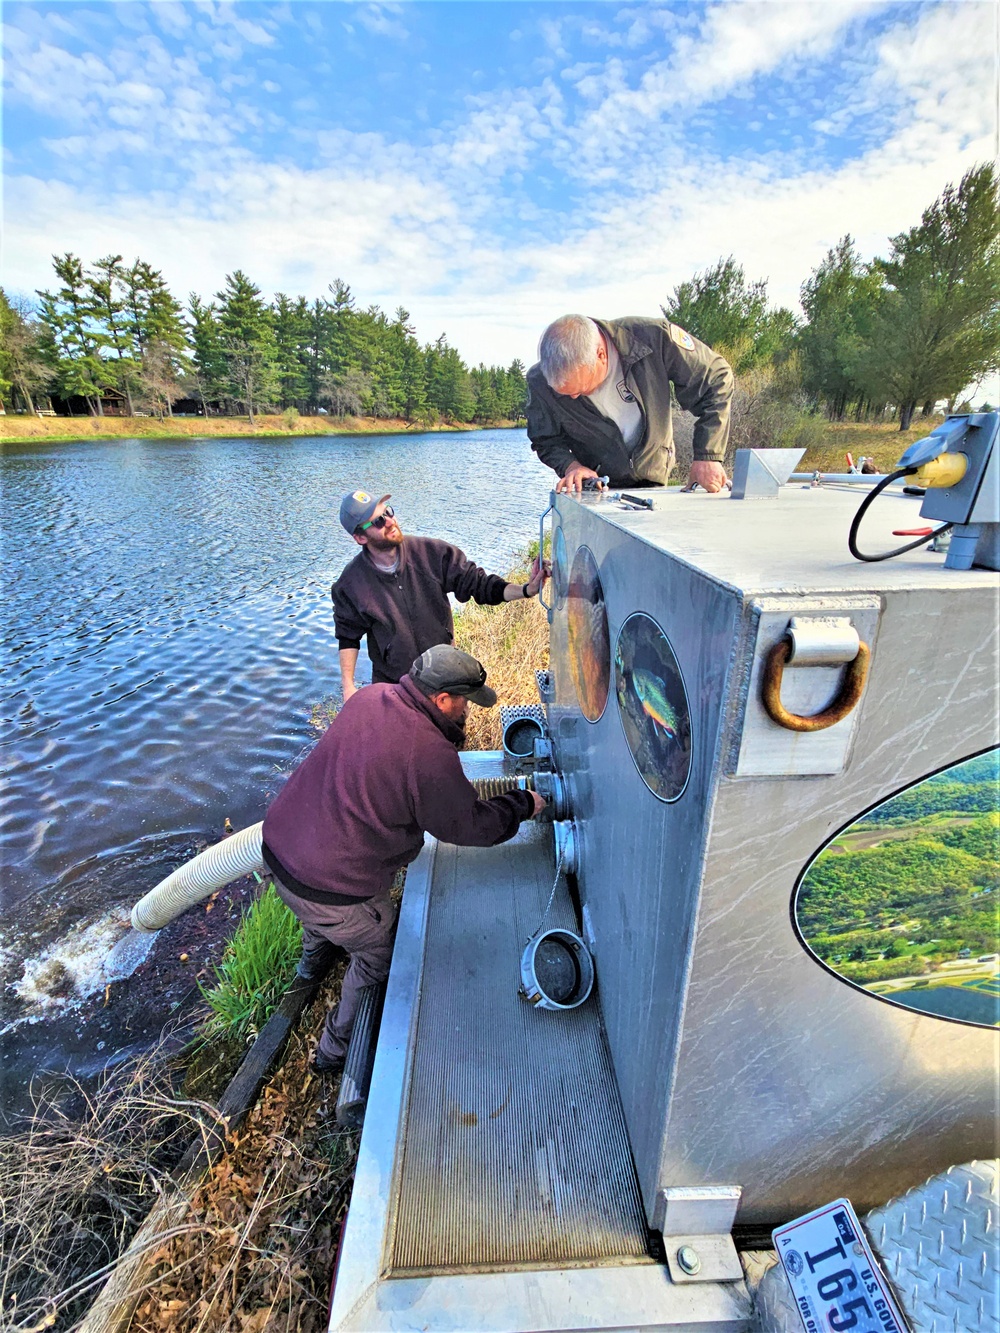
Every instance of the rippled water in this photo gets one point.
(168, 628)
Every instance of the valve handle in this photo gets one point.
(851, 687)
(541, 552)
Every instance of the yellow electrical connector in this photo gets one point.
(941, 472)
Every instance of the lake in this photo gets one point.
(168, 630)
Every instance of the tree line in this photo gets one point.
(887, 336)
(114, 332)
(892, 334)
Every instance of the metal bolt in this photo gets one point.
(687, 1257)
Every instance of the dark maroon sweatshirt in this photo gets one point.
(407, 611)
(356, 809)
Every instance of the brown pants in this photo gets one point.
(365, 930)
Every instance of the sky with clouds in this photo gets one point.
(487, 165)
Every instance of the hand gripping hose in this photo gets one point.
(214, 868)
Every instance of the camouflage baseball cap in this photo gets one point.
(446, 668)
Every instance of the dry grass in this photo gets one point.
(76, 1184)
(511, 641)
(883, 442)
(264, 1222)
(44, 429)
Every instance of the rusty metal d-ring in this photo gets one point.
(855, 674)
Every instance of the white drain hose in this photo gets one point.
(214, 868)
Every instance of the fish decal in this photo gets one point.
(651, 693)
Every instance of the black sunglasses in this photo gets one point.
(387, 512)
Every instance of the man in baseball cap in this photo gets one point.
(395, 590)
(357, 508)
(356, 809)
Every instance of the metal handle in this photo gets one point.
(851, 687)
(541, 552)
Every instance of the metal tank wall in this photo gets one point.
(640, 858)
(740, 1059)
(790, 1081)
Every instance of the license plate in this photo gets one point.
(834, 1277)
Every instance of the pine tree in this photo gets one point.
(247, 342)
(71, 344)
(839, 300)
(105, 281)
(209, 360)
(732, 316)
(290, 326)
(936, 325)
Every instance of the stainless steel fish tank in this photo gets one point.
(780, 921)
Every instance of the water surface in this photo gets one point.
(168, 630)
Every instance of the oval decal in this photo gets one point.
(589, 636)
(903, 902)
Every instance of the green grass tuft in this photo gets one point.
(256, 969)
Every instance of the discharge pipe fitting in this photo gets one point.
(214, 868)
(552, 787)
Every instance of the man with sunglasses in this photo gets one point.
(356, 809)
(395, 591)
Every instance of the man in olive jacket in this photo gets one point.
(599, 402)
(356, 809)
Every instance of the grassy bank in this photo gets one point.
(884, 442)
(44, 430)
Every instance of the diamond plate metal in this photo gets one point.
(940, 1248)
(939, 1245)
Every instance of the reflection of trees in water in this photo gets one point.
(662, 759)
(589, 636)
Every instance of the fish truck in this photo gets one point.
(715, 1047)
(763, 751)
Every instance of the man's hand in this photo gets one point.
(710, 476)
(572, 482)
(540, 571)
(540, 804)
(349, 689)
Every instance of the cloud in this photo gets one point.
(383, 20)
(532, 199)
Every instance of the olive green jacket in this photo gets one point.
(654, 354)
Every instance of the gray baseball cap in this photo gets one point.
(446, 668)
(357, 507)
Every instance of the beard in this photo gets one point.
(383, 542)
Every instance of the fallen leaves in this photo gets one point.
(261, 1257)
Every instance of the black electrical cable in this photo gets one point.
(852, 536)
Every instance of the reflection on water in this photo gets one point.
(168, 627)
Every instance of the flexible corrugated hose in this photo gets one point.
(214, 868)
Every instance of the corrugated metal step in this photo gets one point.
(513, 1150)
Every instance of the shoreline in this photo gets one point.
(882, 440)
(56, 430)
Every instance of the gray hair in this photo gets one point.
(567, 344)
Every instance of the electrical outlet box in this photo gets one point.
(976, 498)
